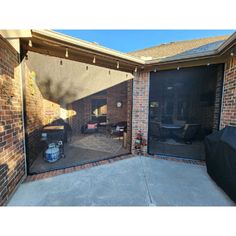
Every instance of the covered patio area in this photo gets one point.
(78, 105)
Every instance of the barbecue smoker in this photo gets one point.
(54, 137)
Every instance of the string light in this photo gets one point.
(155, 70)
(231, 54)
(30, 44)
(178, 68)
(118, 65)
(208, 64)
(94, 60)
(67, 53)
(136, 69)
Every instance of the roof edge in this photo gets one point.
(14, 34)
(211, 53)
(179, 41)
(88, 45)
(227, 42)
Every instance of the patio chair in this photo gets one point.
(90, 128)
(118, 129)
(179, 122)
(188, 133)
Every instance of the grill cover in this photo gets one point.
(221, 159)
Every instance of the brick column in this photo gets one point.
(140, 106)
(129, 113)
(218, 98)
(228, 115)
(12, 158)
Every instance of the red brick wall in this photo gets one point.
(12, 158)
(114, 114)
(140, 106)
(38, 112)
(129, 113)
(218, 98)
(116, 94)
(82, 108)
(228, 115)
(121, 92)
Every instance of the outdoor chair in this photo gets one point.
(90, 128)
(118, 129)
(188, 133)
(167, 120)
(179, 122)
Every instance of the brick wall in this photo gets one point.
(121, 92)
(129, 113)
(82, 108)
(228, 115)
(38, 112)
(115, 94)
(12, 159)
(140, 105)
(218, 98)
(114, 114)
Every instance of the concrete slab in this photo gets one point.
(138, 181)
(182, 184)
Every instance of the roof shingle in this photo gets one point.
(180, 48)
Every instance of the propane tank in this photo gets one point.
(52, 154)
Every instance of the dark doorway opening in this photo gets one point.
(184, 107)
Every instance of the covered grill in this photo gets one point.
(221, 159)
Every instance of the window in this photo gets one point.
(99, 110)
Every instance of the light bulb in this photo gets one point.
(67, 53)
(30, 43)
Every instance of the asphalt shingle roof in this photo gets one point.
(180, 49)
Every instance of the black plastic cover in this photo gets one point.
(221, 159)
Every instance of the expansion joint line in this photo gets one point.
(146, 183)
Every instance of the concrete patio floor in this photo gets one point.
(138, 181)
(78, 155)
